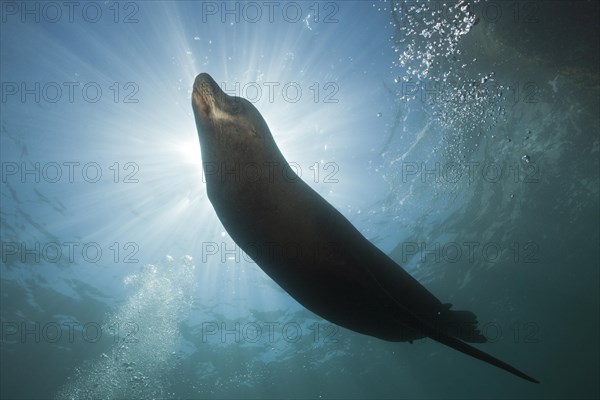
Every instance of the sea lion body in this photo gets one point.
(303, 243)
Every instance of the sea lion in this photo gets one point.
(304, 244)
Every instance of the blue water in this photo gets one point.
(462, 142)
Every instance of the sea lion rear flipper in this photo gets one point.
(460, 324)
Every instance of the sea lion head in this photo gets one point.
(239, 154)
(230, 128)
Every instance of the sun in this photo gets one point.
(188, 150)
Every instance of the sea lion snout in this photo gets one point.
(207, 94)
(205, 82)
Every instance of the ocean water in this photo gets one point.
(462, 138)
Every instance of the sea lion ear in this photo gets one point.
(236, 106)
(254, 131)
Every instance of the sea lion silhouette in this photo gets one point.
(304, 244)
